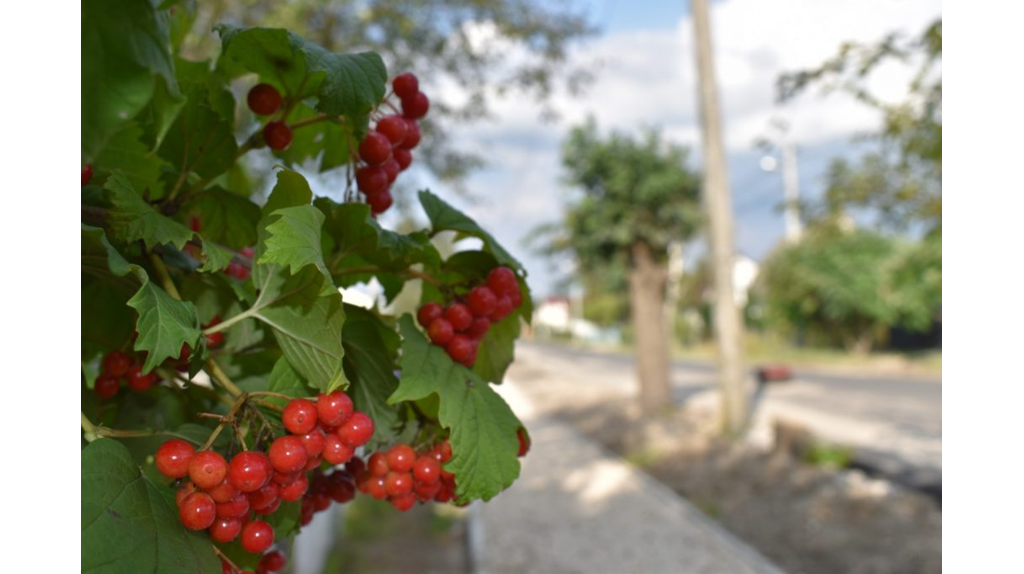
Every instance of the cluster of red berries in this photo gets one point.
(338, 486)
(403, 477)
(460, 326)
(273, 561)
(118, 365)
(220, 496)
(387, 149)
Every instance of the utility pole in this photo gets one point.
(728, 323)
(790, 176)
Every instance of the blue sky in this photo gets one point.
(643, 60)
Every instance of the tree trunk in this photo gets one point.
(647, 297)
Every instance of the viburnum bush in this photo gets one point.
(228, 391)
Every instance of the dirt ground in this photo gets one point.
(808, 518)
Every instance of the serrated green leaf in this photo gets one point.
(126, 153)
(328, 140)
(164, 325)
(132, 219)
(290, 190)
(496, 350)
(286, 380)
(225, 217)
(370, 350)
(360, 240)
(133, 39)
(444, 217)
(201, 140)
(217, 257)
(131, 525)
(294, 241)
(483, 427)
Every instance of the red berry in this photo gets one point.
(214, 339)
(264, 99)
(376, 487)
(503, 309)
(277, 135)
(478, 329)
(86, 174)
(459, 348)
(415, 107)
(375, 148)
(394, 128)
(406, 85)
(412, 135)
(299, 416)
(106, 386)
(314, 442)
(401, 458)
(185, 490)
(116, 363)
(428, 312)
(378, 465)
(237, 270)
(336, 451)
(294, 490)
(283, 478)
(398, 483)
(257, 536)
(380, 201)
(225, 529)
(339, 488)
(173, 456)
(391, 169)
(288, 454)
(197, 511)
(444, 451)
(426, 492)
(427, 470)
(222, 492)
(516, 298)
(333, 409)
(207, 469)
(371, 179)
(403, 157)
(459, 316)
(249, 471)
(357, 430)
(404, 502)
(137, 381)
(264, 497)
(237, 507)
(482, 301)
(272, 561)
(314, 461)
(440, 331)
(502, 281)
(524, 441)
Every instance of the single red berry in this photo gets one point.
(459, 348)
(426, 492)
(197, 511)
(314, 442)
(405, 85)
(404, 502)
(357, 430)
(106, 386)
(445, 451)
(459, 316)
(375, 148)
(222, 492)
(246, 252)
(440, 331)
(445, 494)
(401, 458)
(403, 157)
(321, 501)
(237, 507)
(502, 281)
(398, 483)
(314, 461)
(503, 309)
(137, 381)
(394, 128)
(225, 529)
(428, 312)
(516, 298)
(86, 174)
(391, 169)
(257, 536)
(371, 179)
(195, 223)
(426, 470)
(299, 416)
(237, 270)
(524, 441)
(355, 466)
(478, 329)
(116, 363)
(272, 561)
(333, 409)
(376, 487)
(412, 135)
(207, 469)
(378, 464)
(182, 492)
(269, 508)
(249, 471)
(288, 454)
(283, 478)
(214, 339)
(306, 514)
(264, 496)
(264, 99)
(277, 135)
(416, 106)
(336, 451)
(380, 201)
(471, 358)
(294, 490)
(173, 456)
(482, 301)
(340, 488)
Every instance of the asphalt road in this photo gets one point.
(894, 422)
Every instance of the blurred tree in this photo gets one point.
(637, 197)
(481, 48)
(903, 180)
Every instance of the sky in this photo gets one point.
(643, 60)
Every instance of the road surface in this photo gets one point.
(894, 423)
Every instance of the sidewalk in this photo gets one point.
(577, 508)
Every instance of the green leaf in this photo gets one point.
(286, 380)
(294, 241)
(370, 350)
(164, 325)
(330, 137)
(202, 139)
(217, 258)
(483, 427)
(131, 525)
(126, 153)
(132, 219)
(290, 190)
(496, 350)
(130, 43)
(444, 217)
(356, 233)
(225, 217)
